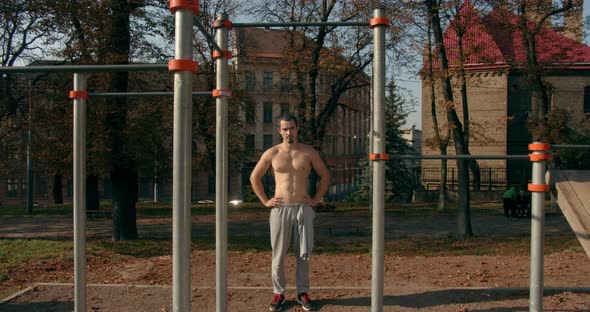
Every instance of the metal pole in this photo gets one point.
(303, 24)
(221, 172)
(537, 233)
(82, 68)
(378, 137)
(141, 94)
(181, 194)
(79, 195)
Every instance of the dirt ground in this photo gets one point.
(339, 282)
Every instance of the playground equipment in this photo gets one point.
(183, 67)
(572, 192)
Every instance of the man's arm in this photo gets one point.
(322, 171)
(256, 180)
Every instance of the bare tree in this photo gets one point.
(463, 218)
(533, 16)
(442, 134)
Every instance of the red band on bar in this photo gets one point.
(227, 24)
(179, 64)
(539, 147)
(539, 157)
(221, 93)
(78, 95)
(184, 4)
(538, 187)
(379, 21)
(379, 156)
(226, 54)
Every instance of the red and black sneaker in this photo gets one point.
(305, 302)
(277, 302)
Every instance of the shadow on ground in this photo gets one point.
(37, 306)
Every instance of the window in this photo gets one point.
(587, 101)
(11, 153)
(267, 112)
(250, 142)
(284, 109)
(267, 80)
(12, 186)
(285, 84)
(250, 116)
(250, 81)
(267, 141)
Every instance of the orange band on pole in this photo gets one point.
(184, 4)
(379, 21)
(78, 95)
(379, 156)
(180, 64)
(539, 147)
(539, 157)
(223, 24)
(221, 93)
(226, 54)
(538, 187)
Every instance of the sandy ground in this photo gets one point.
(339, 282)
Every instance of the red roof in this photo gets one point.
(495, 41)
(479, 46)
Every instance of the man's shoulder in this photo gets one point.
(309, 149)
(271, 151)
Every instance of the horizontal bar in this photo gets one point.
(557, 146)
(291, 24)
(82, 68)
(523, 157)
(120, 94)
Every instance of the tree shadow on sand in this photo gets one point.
(49, 306)
(432, 299)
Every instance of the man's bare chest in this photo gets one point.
(291, 162)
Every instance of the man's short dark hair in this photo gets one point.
(287, 117)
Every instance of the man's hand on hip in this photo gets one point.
(273, 202)
(310, 201)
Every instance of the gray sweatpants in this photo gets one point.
(283, 228)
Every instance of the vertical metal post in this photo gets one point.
(181, 184)
(221, 163)
(79, 195)
(378, 138)
(537, 225)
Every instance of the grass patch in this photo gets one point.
(16, 251)
(50, 210)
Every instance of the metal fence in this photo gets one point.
(492, 178)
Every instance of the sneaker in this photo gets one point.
(277, 302)
(303, 299)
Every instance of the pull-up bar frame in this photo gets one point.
(182, 157)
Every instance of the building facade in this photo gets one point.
(498, 93)
(271, 89)
(268, 87)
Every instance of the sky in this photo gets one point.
(413, 84)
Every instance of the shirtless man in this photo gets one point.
(291, 212)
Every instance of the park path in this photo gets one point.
(326, 224)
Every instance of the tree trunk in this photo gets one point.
(124, 190)
(123, 168)
(476, 172)
(57, 191)
(442, 192)
(464, 229)
(92, 194)
(463, 217)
